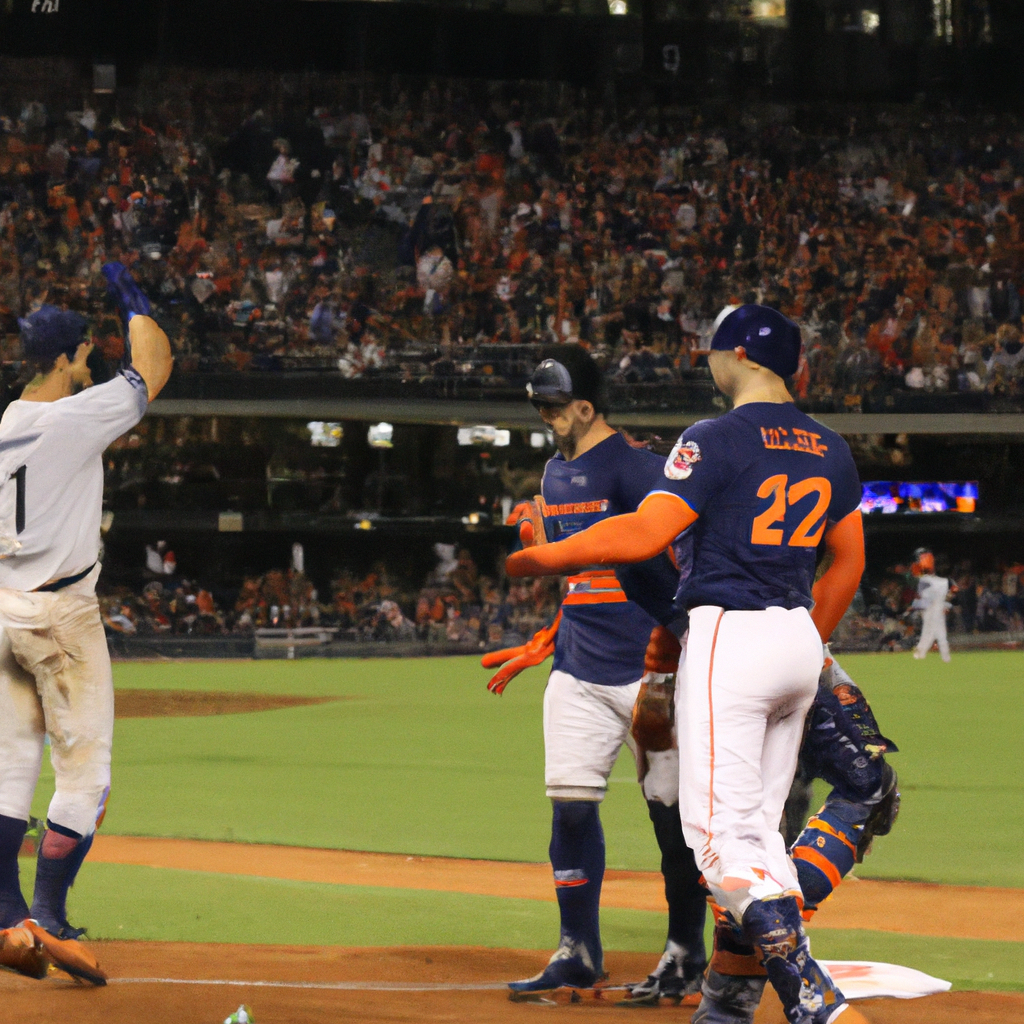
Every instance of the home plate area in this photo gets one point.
(188, 983)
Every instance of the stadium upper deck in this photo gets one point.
(378, 244)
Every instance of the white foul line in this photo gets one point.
(344, 986)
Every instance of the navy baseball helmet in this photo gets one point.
(768, 337)
(569, 373)
(550, 384)
(50, 331)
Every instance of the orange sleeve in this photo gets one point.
(834, 591)
(630, 538)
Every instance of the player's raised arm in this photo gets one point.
(151, 353)
(148, 351)
(834, 591)
(634, 537)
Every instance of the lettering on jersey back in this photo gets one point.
(575, 508)
(793, 439)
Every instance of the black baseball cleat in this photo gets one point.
(675, 978)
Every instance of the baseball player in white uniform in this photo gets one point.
(932, 592)
(55, 676)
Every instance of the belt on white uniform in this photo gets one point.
(601, 586)
(64, 581)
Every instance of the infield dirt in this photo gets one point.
(159, 992)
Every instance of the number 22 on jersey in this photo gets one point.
(768, 526)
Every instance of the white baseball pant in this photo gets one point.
(933, 630)
(55, 679)
(746, 682)
(585, 725)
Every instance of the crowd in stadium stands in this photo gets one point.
(980, 601)
(414, 232)
(458, 605)
(455, 605)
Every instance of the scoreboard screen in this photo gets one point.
(889, 497)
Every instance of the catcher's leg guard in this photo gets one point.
(825, 850)
(13, 907)
(734, 981)
(807, 993)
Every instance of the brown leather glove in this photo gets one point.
(654, 712)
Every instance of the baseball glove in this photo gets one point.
(514, 659)
(654, 713)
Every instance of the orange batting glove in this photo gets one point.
(529, 518)
(514, 659)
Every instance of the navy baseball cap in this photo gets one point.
(50, 331)
(768, 337)
(569, 373)
(550, 384)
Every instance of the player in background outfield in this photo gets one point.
(55, 674)
(932, 592)
(745, 501)
(598, 641)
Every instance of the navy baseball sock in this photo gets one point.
(54, 877)
(686, 897)
(577, 858)
(13, 907)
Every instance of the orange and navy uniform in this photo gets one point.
(603, 634)
(766, 482)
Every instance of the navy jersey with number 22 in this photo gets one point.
(766, 481)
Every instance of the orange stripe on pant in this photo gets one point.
(711, 735)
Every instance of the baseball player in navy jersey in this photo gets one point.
(55, 676)
(598, 643)
(745, 501)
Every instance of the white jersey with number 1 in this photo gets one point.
(51, 477)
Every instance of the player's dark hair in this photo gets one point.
(29, 369)
(587, 379)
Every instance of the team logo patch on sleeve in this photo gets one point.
(684, 457)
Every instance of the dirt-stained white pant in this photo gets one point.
(55, 678)
(746, 682)
(585, 725)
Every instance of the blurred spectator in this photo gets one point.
(368, 238)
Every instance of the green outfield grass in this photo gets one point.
(422, 759)
(202, 907)
(419, 758)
